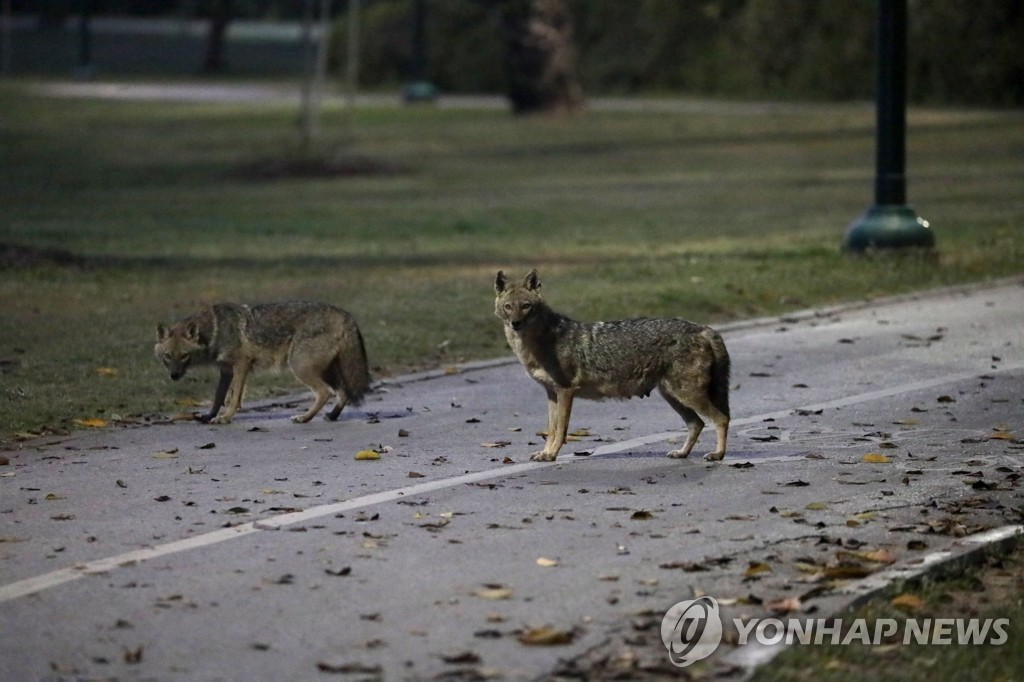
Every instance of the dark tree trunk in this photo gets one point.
(220, 17)
(540, 56)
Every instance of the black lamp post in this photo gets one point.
(890, 222)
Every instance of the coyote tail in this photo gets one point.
(349, 371)
(718, 391)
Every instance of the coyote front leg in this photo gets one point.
(234, 396)
(559, 409)
(226, 376)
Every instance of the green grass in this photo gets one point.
(730, 213)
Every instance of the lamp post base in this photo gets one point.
(888, 227)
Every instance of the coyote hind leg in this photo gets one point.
(694, 423)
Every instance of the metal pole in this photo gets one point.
(890, 223)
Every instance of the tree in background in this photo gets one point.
(220, 17)
(540, 56)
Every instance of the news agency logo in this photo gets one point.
(691, 630)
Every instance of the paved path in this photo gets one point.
(263, 550)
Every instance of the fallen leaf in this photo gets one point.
(907, 422)
(876, 458)
(546, 636)
(641, 515)
(461, 658)
(755, 568)
(787, 605)
(546, 563)
(415, 474)
(494, 592)
(348, 668)
(907, 602)
(92, 423)
(815, 506)
(106, 371)
(847, 571)
(340, 572)
(1001, 435)
(879, 556)
(496, 444)
(367, 455)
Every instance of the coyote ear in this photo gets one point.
(532, 281)
(500, 282)
(192, 332)
(162, 332)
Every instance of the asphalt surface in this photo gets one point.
(866, 441)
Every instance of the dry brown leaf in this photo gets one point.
(756, 568)
(907, 602)
(787, 605)
(494, 592)
(546, 636)
(876, 458)
(92, 423)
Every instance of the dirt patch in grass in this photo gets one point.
(16, 256)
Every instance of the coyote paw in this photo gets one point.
(223, 419)
(543, 456)
(714, 457)
(679, 454)
(300, 419)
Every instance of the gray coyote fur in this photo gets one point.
(686, 362)
(319, 342)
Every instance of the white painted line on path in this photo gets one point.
(27, 586)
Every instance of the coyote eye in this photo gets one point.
(508, 307)
(167, 356)
(527, 306)
(184, 358)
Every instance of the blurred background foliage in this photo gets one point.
(961, 53)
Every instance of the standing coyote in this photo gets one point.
(319, 342)
(686, 362)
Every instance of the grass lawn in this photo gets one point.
(726, 212)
